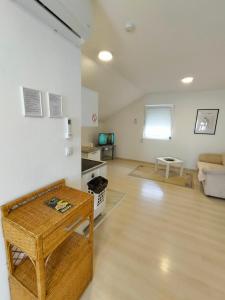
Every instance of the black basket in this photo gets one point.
(97, 184)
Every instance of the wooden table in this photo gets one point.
(47, 259)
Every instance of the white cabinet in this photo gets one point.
(89, 108)
(95, 155)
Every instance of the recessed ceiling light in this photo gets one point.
(105, 56)
(187, 80)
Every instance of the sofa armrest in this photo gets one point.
(214, 183)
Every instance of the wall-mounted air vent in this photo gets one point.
(32, 103)
(55, 107)
(58, 18)
(71, 18)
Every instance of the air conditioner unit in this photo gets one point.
(70, 18)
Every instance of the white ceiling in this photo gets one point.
(173, 39)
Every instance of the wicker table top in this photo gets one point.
(37, 218)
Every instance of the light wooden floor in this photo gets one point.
(163, 242)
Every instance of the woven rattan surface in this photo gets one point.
(47, 260)
(74, 249)
(37, 218)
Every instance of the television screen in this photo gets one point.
(106, 139)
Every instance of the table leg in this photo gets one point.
(156, 165)
(40, 272)
(181, 169)
(167, 171)
(112, 152)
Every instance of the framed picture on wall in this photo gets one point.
(206, 121)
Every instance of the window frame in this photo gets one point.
(172, 107)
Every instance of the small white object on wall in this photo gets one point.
(68, 128)
(130, 26)
(32, 102)
(55, 109)
(68, 151)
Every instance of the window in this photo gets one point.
(158, 122)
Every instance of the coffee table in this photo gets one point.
(169, 161)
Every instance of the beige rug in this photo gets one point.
(148, 172)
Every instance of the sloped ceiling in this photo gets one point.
(173, 39)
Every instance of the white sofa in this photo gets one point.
(211, 173)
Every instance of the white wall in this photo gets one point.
(32, 150)
(90, 134)
(185, 144)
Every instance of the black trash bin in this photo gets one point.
(97, 184)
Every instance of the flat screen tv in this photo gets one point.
(106, 139)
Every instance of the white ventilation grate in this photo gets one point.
(55, 106)
(32, 102)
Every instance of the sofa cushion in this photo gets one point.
(204, 166)
(212, 158)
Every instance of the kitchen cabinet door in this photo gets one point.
(89, 108)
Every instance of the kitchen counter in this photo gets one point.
(93, 169)
(87, 149)
(92, 153)
(90, 165)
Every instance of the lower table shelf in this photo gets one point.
(70, 265)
